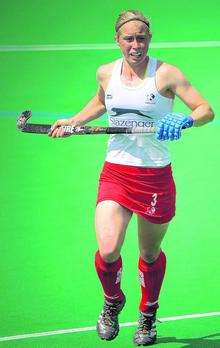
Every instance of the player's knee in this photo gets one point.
(149, 257)
(109, 255)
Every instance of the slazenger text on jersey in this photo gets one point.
(130, 123)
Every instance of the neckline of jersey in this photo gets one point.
(145, 80)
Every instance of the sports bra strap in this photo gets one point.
(152, 66)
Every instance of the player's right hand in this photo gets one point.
(57, 131)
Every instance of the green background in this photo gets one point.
(48, 186)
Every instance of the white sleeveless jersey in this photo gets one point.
(136, 107)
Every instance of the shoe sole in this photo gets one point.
(147, 343)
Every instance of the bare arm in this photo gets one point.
(180, 86)
(94, 109)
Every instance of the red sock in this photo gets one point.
(151, 278)
(110, 277)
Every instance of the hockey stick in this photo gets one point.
(23, 126)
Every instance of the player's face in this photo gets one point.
(133, 39)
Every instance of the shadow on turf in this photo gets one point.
(193, 342)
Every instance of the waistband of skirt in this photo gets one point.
(127, 169)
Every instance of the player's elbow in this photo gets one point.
(100, 102)
(209, 113)
(205, 114)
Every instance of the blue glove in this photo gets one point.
(171, 125)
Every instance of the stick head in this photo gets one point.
(22, 119)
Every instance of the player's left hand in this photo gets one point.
(171, 125)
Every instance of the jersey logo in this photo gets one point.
(119, 112)
(150, 99)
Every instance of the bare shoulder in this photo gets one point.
(104, 71)
(103, 74)
(170, 72)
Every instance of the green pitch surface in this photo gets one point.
(48, 186)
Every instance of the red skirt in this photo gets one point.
(148, 192)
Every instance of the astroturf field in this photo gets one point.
(48, 186)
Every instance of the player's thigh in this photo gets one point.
(150, 236)
(111, 220)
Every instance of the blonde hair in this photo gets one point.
(131, 15)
